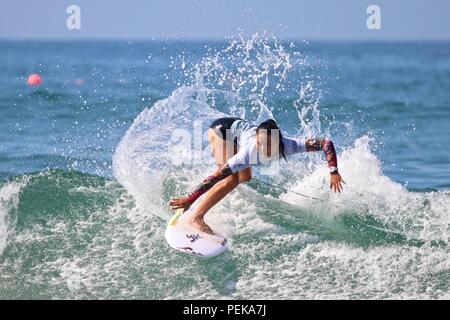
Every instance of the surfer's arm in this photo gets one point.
(296, 145)
(209, 182)
(327, 146)
(203, 187)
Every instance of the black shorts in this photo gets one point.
(221, 125)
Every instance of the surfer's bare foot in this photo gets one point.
(201, 225)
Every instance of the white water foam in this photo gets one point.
(330, 270)
(415, 215)
(9, 202)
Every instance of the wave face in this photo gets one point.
(94, 228)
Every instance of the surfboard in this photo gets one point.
(183, 237)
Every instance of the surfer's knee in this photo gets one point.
(232, 181)
(245, 175)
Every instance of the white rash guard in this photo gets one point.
(248, 155)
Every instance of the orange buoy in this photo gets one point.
(34, 79)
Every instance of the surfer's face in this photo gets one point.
(266, 144)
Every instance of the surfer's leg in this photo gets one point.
(218, 192)
(213, 196)
(245, 175)
(221, 150)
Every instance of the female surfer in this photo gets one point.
(237, 145)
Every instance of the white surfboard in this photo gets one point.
(183, 237)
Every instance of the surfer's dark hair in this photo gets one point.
(221, 125)
(268, 126)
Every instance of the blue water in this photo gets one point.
(87, 166)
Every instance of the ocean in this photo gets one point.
(91, 157)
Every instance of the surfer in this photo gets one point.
(236, 145)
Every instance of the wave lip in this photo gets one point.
(154, 146)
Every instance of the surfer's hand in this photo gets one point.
(183, 203)
(335, 182)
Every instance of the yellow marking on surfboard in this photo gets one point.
(174, 219)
